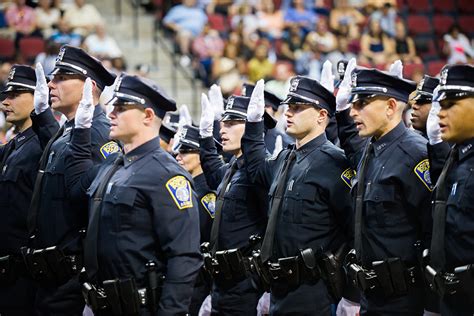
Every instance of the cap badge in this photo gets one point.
(118, 82)
(341, 68)
(230, 103)
(420, 84)
(444, 76)
(11, 74)
(294, 85)
(61, 54)
(354, 80)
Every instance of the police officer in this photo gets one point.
(19, 159)
(168, 129)
(392, 194)
(421, 103)
(240, 207)
(272, 103)
(54, 219)
(143, 219)
(310, 203)
(188, 158)
(451, 256)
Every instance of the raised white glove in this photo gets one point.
(41, 94)
(85, 110)
(256, 107)
(207, 117)
(432, 123)
(396, 69)
(278, 145)
(327, 78)
(344, 91)
(217, 101)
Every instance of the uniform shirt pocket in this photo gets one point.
(234, 207)
(121, 201)
(298, 204)
(460, 204)
(383, 205)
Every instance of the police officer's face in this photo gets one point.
(17, 106)
(231, 133)
(456, 119)
(300, 120)
(126, 121)
(370, 116)
(189, 160)
(65, 92)
(420, 115)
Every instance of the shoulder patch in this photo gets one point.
(208, 201)
(347, 176)
(109, 148)
(180, 190)
(422, 171)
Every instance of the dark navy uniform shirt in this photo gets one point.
(396, 210)
(16, 186)
(316, 208)
(459, 237)
(207, 202)
(244, 211)
(148, 213)
(59, 217)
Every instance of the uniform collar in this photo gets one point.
(200, 181)
(386, 140)
(307, 148)
(141, 151)
(466, 149)
(240, 161)
(21, 138)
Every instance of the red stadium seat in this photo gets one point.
(435, 66)
(7, 49)
(444, 6)
(425, 48)
(466, 6)
(30, 47)
(419, 6)
(419, 25)
(466, 23)
(442, 23)
(409, 69)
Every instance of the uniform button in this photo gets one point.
(376, 198)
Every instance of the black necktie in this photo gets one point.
(10, 147)
(219, 203)
(359, 206)
(438, 258)
(90, 242)
(267, 244)
(35, 199)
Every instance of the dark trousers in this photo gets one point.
(201, 290)
(240, 299)
(17, 299)
(411, 304)
(459, 304)
(63, 300)
(306, 299)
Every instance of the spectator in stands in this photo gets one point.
(341, 53)
(271, 21)
(376, 47)
(47, 59)
(457, 46)
(298, 15)
(344, 15)
(308, 62)
(280, 83)
(187, 21)
(4, 72)
(387, 17)
(226, 69)
(405, 46)
(47, 17)
(260, 67)
(292, 45)
(101, 45)
(83, 17)
(65, 35)
(206, 47)
(219, 7)
(308, 4)
(322, 38)
(246, 19)
(21, 19)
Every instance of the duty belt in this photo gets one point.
(50, 266)
(12, 267)
(390, 277)
(450, 283)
